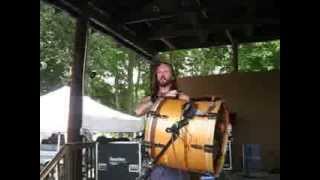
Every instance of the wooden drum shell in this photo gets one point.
(193, 149)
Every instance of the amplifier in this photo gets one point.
(118, 160)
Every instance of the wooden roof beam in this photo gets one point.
(173, 31)
(168, 43)
(100, 20)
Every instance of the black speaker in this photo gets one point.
(118, 160)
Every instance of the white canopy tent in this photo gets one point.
(54, 110)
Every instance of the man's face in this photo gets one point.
(164, 75)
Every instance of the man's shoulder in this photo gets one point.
(181, 92)
(146, 98)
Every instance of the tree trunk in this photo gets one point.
(137, 86)
(116, 92)
(130, 91)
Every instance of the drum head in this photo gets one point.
(220, 138)
(220, 114)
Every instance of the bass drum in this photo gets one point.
(201, 145)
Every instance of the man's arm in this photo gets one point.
(184, 96)
(144, 106)
(180, 95)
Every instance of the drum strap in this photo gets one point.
(148, 144)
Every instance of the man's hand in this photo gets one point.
(176, 94)
(172, 93)
(144, 106)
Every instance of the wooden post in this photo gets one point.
(235, 48)
(74, 157)
(155, 59)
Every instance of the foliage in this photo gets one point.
(117, 77)
(56, 37)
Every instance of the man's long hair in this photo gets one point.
(155, 83)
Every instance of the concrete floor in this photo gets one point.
(242, 176)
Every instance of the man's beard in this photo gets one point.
(164, 83)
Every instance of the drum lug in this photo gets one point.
(206, 148)
(212, 116)
(155, 114)
(211, 149)
(196, 146)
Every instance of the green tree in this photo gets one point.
(263, 56)
(56, 37)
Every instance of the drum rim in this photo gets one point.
(218, 163)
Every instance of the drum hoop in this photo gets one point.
(220, 161)
(155, 109)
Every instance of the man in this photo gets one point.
(163, 85)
